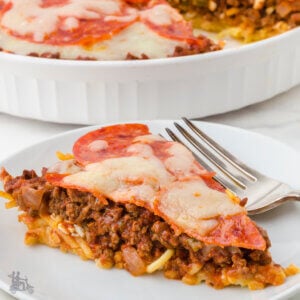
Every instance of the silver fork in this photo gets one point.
(263, 193)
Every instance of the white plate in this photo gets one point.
(93, 92)
(55, 275)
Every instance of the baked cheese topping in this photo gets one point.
(98, 145)
(65, 167)
(134, 178)
(194, 205)
(161, 15)
(172, 178)
(181, 161)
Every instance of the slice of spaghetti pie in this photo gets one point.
(133, 200)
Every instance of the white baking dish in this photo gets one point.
(89, 92)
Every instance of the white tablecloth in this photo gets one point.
(278, 118)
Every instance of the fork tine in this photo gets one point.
(211, 157)
(218, 178)
(221, 151)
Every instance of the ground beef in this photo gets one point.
(205, 46)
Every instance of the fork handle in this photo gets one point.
(293, 195)
(290, 196)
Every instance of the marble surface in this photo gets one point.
(278, 118)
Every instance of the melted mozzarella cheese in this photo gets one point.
(65, 167)
(98, 145)
(149, 138)
(141, 150)
(189, 202)
(181, 160)
(122, 179)
(161, 15)
(70, 23)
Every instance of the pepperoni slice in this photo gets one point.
(107, 142)
(239, 231)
